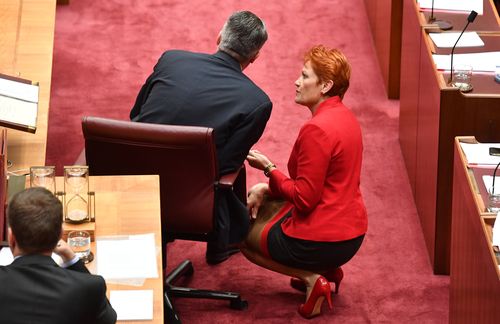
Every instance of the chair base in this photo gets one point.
(186, 269)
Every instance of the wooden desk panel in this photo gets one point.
(474, 275)
(26, 52)
(127, 205)
(410, 59)
(385, 17)
(428, 123)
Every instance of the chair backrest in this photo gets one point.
(183, 156)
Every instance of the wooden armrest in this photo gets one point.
(227, 180)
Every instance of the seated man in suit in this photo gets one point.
(34, 289)
(210, 90)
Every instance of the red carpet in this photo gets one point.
(104, 50)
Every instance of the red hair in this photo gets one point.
(330, 64)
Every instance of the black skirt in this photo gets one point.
(309, 255)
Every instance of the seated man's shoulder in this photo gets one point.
(84, 276)
(177, 53)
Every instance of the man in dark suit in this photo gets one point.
(198, 89)
(34, 289)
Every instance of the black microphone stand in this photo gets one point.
(494, 175)
(442, 24)
(470, 19)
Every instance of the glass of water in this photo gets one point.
(494, 200)
(462, 75)
(79, 241)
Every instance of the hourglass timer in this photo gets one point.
(77, 204)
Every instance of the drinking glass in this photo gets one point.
(494, 200)
(462, 75)
(43, 176)
(79, 241)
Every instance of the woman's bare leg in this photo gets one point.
(251, 248)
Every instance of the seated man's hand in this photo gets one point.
(64, 251)
(255, 198)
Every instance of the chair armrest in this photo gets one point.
(227, 180)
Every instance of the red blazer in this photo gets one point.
(324, 168)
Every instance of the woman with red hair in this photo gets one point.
(321, 221)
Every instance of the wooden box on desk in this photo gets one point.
(87, 226)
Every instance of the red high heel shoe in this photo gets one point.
(335, 276)
(320, 291)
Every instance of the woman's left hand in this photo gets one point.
(256, 198)
(257, 159)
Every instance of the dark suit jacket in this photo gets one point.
(206, 90)
(34, 289)
(197, 89)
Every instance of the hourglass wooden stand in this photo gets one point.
(87, 224)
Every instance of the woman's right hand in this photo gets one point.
(255, 198)
(257, 160)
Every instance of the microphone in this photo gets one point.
(442, 24)
(494, 175)
(494, 151)
(470, 19)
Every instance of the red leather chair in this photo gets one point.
(185, 159)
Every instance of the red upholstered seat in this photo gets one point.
(185, 159)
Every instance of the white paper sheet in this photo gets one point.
(480, 62)
(18, 103)
(127, 257)
(496, 231)
(488, 181)
(132, 304)
(447, 40)
(460, 5)
(7, 258)
(19, 90)
(478, 154)
(18, 111)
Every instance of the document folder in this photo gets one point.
(18, 103)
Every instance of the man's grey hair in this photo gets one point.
(243, 34)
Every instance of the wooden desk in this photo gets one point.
(474, 273)
(127, 205)
(385, 17)
(26, 45)
(431, 115)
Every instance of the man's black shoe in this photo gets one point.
(213, 257)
